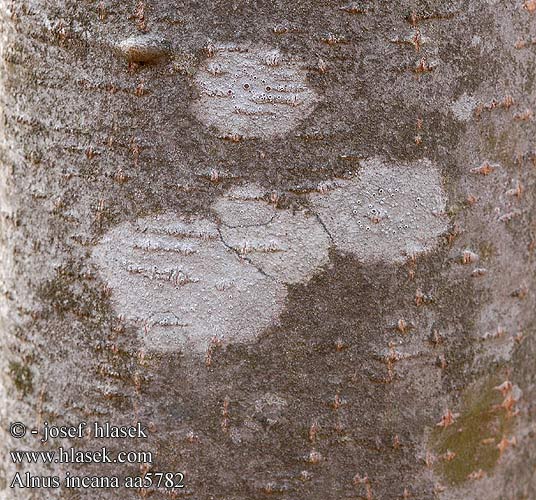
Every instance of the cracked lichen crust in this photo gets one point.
(251, 91)
(388, 212)
(283, 244)
(184, 282)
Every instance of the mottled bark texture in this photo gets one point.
(297, 238)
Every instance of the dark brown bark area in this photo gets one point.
(89, 141)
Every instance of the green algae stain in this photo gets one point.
(475, 433)
(22, 377)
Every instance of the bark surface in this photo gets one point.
(295, 239)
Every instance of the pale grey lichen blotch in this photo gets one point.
(388, 212)
(285, 245)
(464, 107)
(251, 91)
(183, 282)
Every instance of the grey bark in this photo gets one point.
(294, 239)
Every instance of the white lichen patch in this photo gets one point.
(184, 282)
(285, 245)
(178, 282)
(387, 213)
(243, 213)
(464, 107)
(250, 91)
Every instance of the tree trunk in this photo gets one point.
(294, 240)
